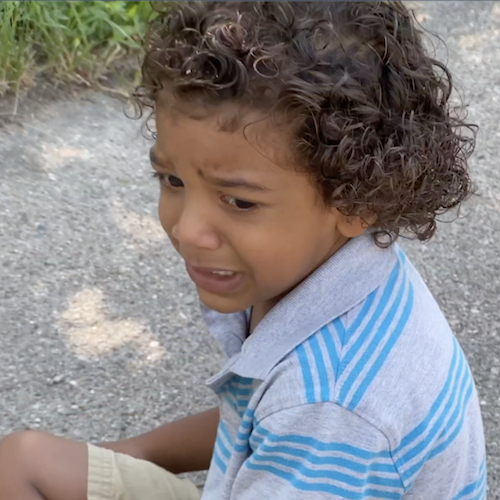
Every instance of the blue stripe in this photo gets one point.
(323, 445)
(370, 349)
(339, 326)
(224, 430)
(256, 440)
(245, 380)
(220, 463)
(242, 444)
(232, 404)
(402, 255)
(469, 490)
(459, 414)
(386, 295)
(242, 381)
(222, 447)
(373, 371)
(327, 460)
(241, 447)
(464, 393)
(306, 373)
(438, 425)
(243, 432)
(331, 349)
(320, 365)
(237, 383)
(362, 315)
(482, 489)
(419, 430)
(235, 391)
(478, 485)
(239, 405)
(247, 420)
(310, 473)
(323, 487)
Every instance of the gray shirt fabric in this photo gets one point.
(353, 386)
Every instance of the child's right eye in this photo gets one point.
(174, 181)
(170, 181)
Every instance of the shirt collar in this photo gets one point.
(341, 283)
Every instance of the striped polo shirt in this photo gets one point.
(352, 387)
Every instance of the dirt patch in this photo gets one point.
(27, 104)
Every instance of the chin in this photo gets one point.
(221, 304)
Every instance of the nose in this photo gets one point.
(193, 228)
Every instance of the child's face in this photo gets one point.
(248, 229)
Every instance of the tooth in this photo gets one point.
(223, 273)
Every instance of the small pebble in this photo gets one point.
(57, 379)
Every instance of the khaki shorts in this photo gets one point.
(113, 476)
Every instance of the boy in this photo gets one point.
(294, 142)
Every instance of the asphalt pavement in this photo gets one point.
(100, 335)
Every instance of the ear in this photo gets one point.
(352, 226)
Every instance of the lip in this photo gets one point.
(203, 278)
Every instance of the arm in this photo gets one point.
(184, 445)
(317, 451)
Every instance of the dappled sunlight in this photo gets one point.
(143, 227)
(492, 198)
(89, 333)
(495, 11)
(473, 45)
(53, 157)
(470, 42)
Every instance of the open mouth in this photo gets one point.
(215, 280)
(223, 273)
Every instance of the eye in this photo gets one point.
(242, 205)
(170, 181)
(174, 181)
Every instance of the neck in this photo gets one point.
(260, 309)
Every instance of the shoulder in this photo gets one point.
(387, 359)
(394, 367)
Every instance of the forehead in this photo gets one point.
(223, 139)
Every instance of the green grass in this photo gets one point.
(70, 41)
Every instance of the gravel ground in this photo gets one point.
(100, 336)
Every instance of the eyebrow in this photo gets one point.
(225, 182)
(233, 183)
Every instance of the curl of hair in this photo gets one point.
(369, 108)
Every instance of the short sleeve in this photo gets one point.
(317, 452)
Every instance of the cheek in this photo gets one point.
(270, 252)
(288, 251)
(167, 213)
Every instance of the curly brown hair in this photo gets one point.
(369, 108)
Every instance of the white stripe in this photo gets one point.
(438, 413)
(368, 339)
(426, 449)
(328, 366)
(310, 449)
(379, 348)
(333, 467)
(313, 370)
(326, 480)
(353, 338)
(336, 338)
